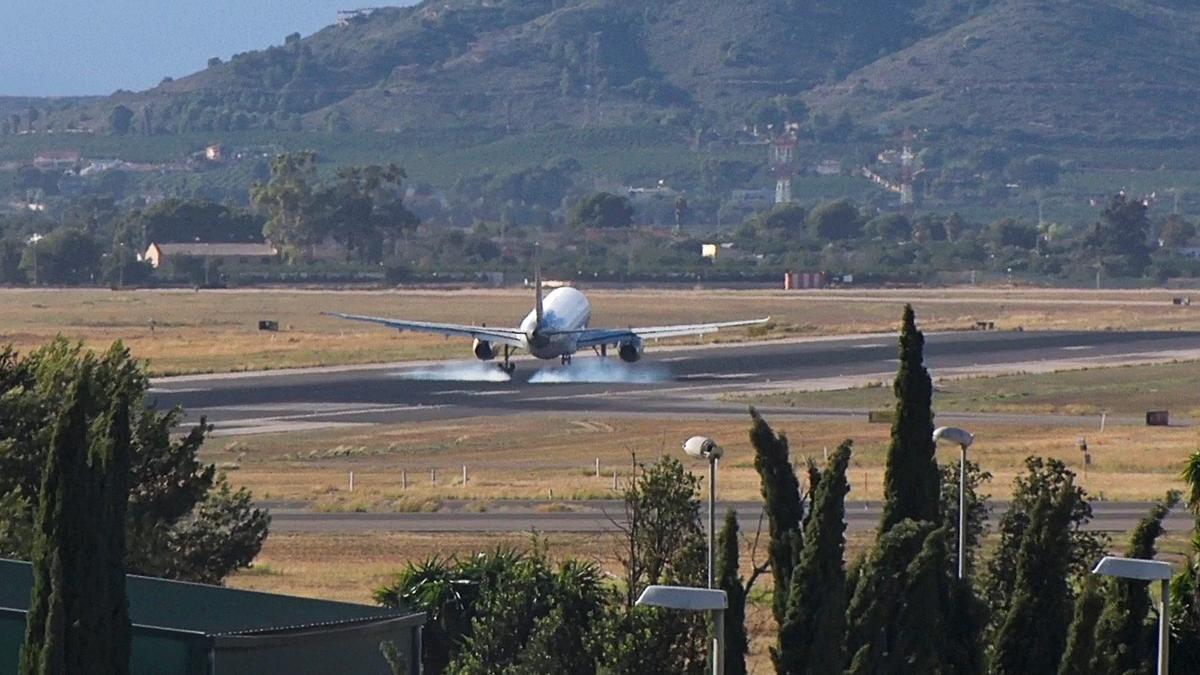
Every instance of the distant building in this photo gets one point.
(56, 159)
(162, 254)
(215, 152)
(828, 167)
(710, 251)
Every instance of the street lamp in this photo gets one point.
(693, 600)
(33, 242)
(701, 447)
(963, 439)
(1146, 570)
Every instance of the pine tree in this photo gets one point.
(1125, 640)
(1081, 639)
(1032, 636)
(736, 641)
(783, 504)
(911, 481)
(811, 637)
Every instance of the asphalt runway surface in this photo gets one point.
(679, 382)
(608, 516)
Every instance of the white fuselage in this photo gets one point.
(563, 309)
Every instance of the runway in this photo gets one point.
(685, 382)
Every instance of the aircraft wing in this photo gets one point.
(513, 337)
(590, 337)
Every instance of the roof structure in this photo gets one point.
(234, 631)
(203, 249)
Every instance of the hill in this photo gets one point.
(1077, 70)
(1085, 70)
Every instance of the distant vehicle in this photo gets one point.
(556, 329)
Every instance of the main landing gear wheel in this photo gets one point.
(508, 366)
(566, 359)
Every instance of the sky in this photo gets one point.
(76, 47)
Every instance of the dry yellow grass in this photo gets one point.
(214, 331)
(528, 456)
(348, 567)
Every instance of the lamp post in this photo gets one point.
(1146, 570)
(33, 243)
(701, 447)
(963, 439)
(694, 600)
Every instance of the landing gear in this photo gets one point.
(507, 366)
(566, 359)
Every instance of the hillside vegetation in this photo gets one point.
(1046, 68)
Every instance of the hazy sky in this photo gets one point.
(64, 47)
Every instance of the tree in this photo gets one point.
(120, 120)
(1185, 589)
(603, 210)
(187, 220)
(728, 580)
(1006, 232)
(784, 218)
(1033, 633)
(1176, 232)
(811, 637)
(65, 256)
(873, 615)
(783, 505)
(953, 227)
(1042, 476)
(1125, 640)
(288, 200)
(911, 481)
(1122, 233)
(977, 508)
(661, 543)
(182, 520)
(835, 220)
(78, 617)
(1081, 637)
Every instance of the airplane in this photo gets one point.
(556, 328)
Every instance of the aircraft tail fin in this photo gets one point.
(537, 290)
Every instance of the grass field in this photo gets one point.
(1125, 390)
(216, 331)
(534, 457)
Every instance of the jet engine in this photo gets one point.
(484, 351)
(631, 350)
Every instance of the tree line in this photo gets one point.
(1027, 605)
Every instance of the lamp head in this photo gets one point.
(702, 447)
(953, 435)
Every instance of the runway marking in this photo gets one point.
(469, 392)
(719, 376)
(183, 390)
(1077, 348)
(675, 359)
(867, 346)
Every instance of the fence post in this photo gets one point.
(464, 474)
(352, 481)
(403, 480)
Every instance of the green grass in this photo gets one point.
(1127, 390)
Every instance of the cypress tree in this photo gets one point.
(1033, 635)
(911, 481)
(783, 504)
(1081, 639)
(873, 617)
(811, 637)
(1125, 640)
(736, 641)
(78, 618)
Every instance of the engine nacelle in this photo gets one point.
(630, 351)
(484, 351)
